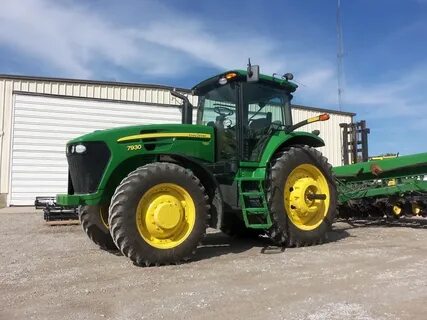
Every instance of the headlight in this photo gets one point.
(79, 148)
(222, 81)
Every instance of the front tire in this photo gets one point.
(298, 219)
(94, 221)
(158, 214)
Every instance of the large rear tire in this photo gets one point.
(298, 219)
(158, 214)
(94, 220)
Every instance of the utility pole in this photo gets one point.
(340, 56)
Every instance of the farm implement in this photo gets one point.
(392, 187)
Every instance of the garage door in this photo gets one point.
(42, 126)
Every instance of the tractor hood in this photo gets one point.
(101, 157)
(140, 132)
(189, 140)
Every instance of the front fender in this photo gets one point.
(210, 184)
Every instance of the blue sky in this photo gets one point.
(179, 43)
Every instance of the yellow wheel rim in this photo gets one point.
(103, 214)
(306, 213)
(416, 209)
(397, 210)
(165, 215)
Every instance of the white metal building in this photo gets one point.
(39, 115)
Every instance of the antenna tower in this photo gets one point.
(340, 56)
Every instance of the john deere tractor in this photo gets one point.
(152, 190)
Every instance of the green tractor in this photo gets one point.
(152, 190)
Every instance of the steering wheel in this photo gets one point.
(223, 110)
(228, 123)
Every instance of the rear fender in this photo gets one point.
(280, 143)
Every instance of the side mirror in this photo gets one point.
(253, 73)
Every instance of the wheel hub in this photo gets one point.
(166, 211)
(306, 197)
(300, 202)
(165, 215)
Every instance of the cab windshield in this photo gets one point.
(216, 105)
(217, 108)
(262, 109)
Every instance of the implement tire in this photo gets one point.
(159, 214)
(296, 175)
(94, 221)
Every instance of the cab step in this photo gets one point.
(254, 203)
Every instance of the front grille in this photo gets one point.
(86, 169)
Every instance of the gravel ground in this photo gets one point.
(373, 272)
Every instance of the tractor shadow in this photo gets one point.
(217, 244)
(415, 223)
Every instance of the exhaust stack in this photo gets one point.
(187, 108)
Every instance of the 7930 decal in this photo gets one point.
(134, 147)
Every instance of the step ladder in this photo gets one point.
(254, 203)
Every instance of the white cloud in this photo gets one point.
(395, 111)
(73, 38)
(213, 48)
(54, 35)
(400, 97)
(403, 95)
(318, 86)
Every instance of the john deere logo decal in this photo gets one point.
(193, 135)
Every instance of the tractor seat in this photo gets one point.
(261, 123)
(225, 144)
(259, 128)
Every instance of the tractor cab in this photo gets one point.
(244, 111)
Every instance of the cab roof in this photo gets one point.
(212, 82)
